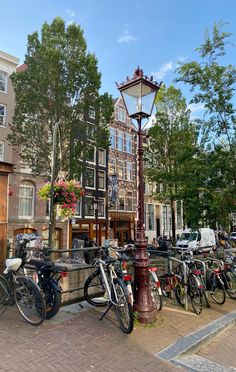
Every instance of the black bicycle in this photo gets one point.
(46, 274)
(21, 290)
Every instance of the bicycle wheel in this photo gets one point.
(29, 300)
(4, 296)
(5, 278)
(123, 310)
(180, 294)
(195, 294)
(155, 293)
(165, 287)
(94, 290)
(217, 290)
(231, 281)
(52, 295)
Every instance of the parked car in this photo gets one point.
(197, 240)
(233, 236)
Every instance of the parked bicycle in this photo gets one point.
(21, 290)
(105, 287)
(46, 274)
(215, 280)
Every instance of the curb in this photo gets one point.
(194, 341)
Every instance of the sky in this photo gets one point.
(154, 34)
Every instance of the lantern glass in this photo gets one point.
(139, 99)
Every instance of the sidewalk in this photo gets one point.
(75, 340)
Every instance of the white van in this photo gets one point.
(197, 240)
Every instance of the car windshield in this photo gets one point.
(188, 236)
(233, 234)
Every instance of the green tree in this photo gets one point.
(59, 85)
(172, 146)
(213, 85)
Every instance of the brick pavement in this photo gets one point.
(82, 343)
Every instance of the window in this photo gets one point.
(2, 115)
(89, 206)
(101, 207)
(129, 171)
(78, 209)
(89, 178)
(129, 201)
(121, 115)
(101, 180)
(90, 154)
(91, 112)
(90, 130)
(112, 166)
(1, 150)
(102, 157)
(112, 138)
(150, 217)
(121, 169)
(129, 143)
(26, 201)
(121, 204)
(3, 81)
(120, 141)
(164, 217)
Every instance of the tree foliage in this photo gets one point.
(210, 197)
(60, 83)
(172, 145)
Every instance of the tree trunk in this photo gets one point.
(172, 204)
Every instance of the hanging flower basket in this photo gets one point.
(66, 195)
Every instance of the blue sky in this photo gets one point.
(154, 34)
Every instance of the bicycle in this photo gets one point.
(215, 282)
(22, 291)
(105, 287)
(45, 274)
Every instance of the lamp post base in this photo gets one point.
(143, 303)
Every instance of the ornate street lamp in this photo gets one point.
(139, 94)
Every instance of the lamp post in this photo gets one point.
(139, 94)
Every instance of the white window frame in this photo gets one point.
(129, 171)
(120, 135)
(2, 145)
(89, 215)
(121, 115)
(4, 81)
(102, 157)
(128, 139)
(90, 130)
(3, 116)
(94, 155)
(91, 112)
(101, 202)
(104, 177)
(79, 204)
(32, 201)
(94, 184)
(112, 138)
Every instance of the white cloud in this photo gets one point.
(195, 107)
(126, 36)
(71, 13)
(163, 70)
